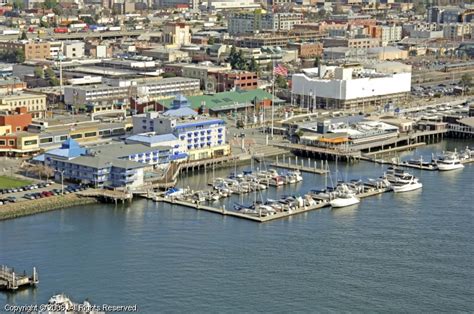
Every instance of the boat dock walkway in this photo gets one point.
(323, 169)
(421, 166)
(222, 211)
(108, 195)
(11, 281)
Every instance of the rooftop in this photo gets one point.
(226, 100)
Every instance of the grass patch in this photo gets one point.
(8, 183)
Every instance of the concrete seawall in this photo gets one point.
(32, 207)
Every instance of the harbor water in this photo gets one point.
(392, 252)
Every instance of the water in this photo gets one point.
(406, 252)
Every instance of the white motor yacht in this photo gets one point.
(412, 185)
(344, 197)
(450, 162)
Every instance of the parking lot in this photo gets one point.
(36, 191)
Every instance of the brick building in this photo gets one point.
(33, 50)
(238, 80)
(18, 121)
(308, 50)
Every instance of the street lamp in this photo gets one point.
(62, 180)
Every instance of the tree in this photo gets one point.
(18, 5)
(316, 61)
(51, 76)
(50, 4)
(44, 24)
(58, 10)
(23, 36)
(281, 82)
(466, 80)
(19, 55)
(254, 66)
(39, 72)
(322, 13)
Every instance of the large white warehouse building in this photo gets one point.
(332, 87)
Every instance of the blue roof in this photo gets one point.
(180, 107)
(152, 139)
(69, 149)
(180, 112)
(199, 123)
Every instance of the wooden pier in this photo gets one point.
(11, 281)
(108, 195)
(295, 166)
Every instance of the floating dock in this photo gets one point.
(11, 281)
(222, 211)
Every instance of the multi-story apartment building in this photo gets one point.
(457, 31)
(259, 20)
(34, 102)
(102, 167)
(33, 50)
(390, 34)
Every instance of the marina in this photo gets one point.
(365, 237)
(263, 211)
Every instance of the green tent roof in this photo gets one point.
(225, 100)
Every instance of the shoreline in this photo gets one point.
(32, 207)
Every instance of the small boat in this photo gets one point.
(295, 176)
(412, 185)
(174, 192)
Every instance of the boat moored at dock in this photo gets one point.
(449, 161)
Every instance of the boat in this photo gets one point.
(174, 192)
(344, 197)
(412, 185)
(449, 162)
(60, 303)
(294, 176)
(395, 175)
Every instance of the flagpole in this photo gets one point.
(273, 94)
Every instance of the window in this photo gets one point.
(46, 140)
(74, 136)
(63, 137)
(90, 134)
(2, 143)
(30, 142)
(11, 142)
